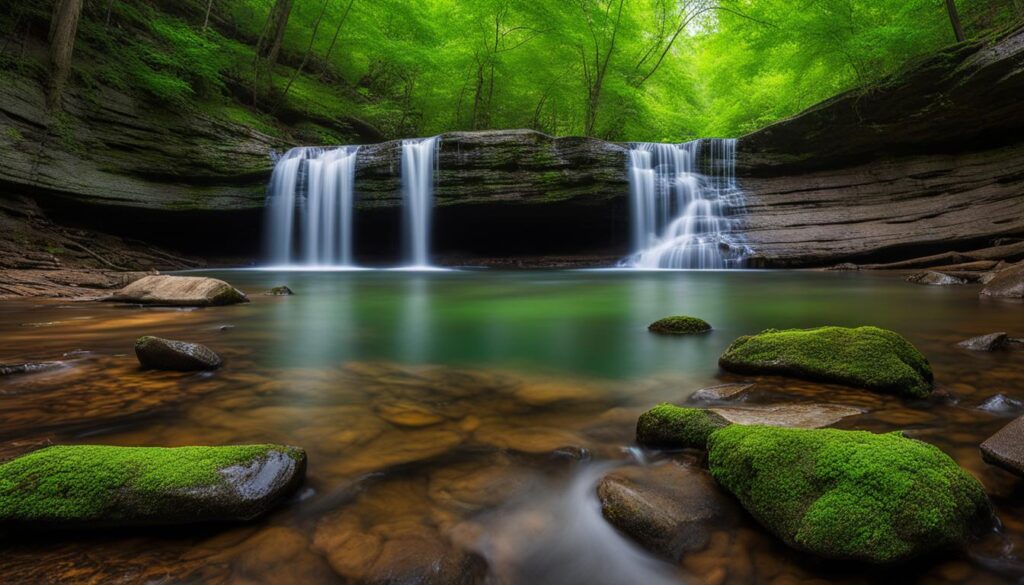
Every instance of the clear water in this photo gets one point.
(433, 407)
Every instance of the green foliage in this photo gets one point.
(848, 494)
(667, 425)
(679, 325)
(660, 70)
(85, 482)
(866, 357)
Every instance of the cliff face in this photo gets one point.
(932, 160)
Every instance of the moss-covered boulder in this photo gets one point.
(667, 425)
(167, 354)
(90, 485)
(679, 325)
(849, 494)
(864, 357)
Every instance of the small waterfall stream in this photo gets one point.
(419, 159)
(318, 183)
(682, 217)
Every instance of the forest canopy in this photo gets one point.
(348, 70)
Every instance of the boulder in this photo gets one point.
(1008, 283)
(80, 486)
(988, 342)
(679, 325)
(668, 508)
(279, 291)
(935, 278)
(850, 495)
(863, 357)
(166, 354)
(179, 291)
(799, 415)
(1006, 447)
(667, 425)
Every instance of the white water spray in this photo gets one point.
(319, 184)
(682, 218)
(419, 160)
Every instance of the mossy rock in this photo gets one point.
(81, 486)
(667, 425)
(679, 325)
(864, 357)
(850, 495)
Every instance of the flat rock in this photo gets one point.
(935, 278)
(1007, 283)
(668, 508)
(1006, 447)
(988, 342)
(722, 392)
(797, 415)
(79, 486)
(179, 291)
(167, 354)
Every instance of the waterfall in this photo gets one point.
(683, 218)
(419, 159)
(318, 183)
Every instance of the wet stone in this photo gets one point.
(798, 415)
(722, 392)
(167, 354)
(1006, 448)
(668, 508)
(989, 342)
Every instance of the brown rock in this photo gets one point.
(1008, 283)
(799, 415)
(179, 291)
(668, 508)
(1006, 447)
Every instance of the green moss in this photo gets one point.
(679, 325)
(865, 357)
(13, 134)
(87, 482)
(667, 425)
(848, 494)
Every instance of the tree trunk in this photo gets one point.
(954, 19)
(206, 21)
(63, 28)
(305, 56)
(269, 45)
(334, 39)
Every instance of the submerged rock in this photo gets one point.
(679, 325)
(82, 486)
(844, 266)
(1006, 447)
(166, 354)
(850, 495)
(279, 291)
(667, 425)
(798, 415)
(864, 357)
(668, 508)
(28, 368)
(179, 291)
(989, 342)
(935, 278)
(1008, 283)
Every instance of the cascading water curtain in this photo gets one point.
(683, 218)
(310, 206)
(419, 161)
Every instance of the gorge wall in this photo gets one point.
(930, 160)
